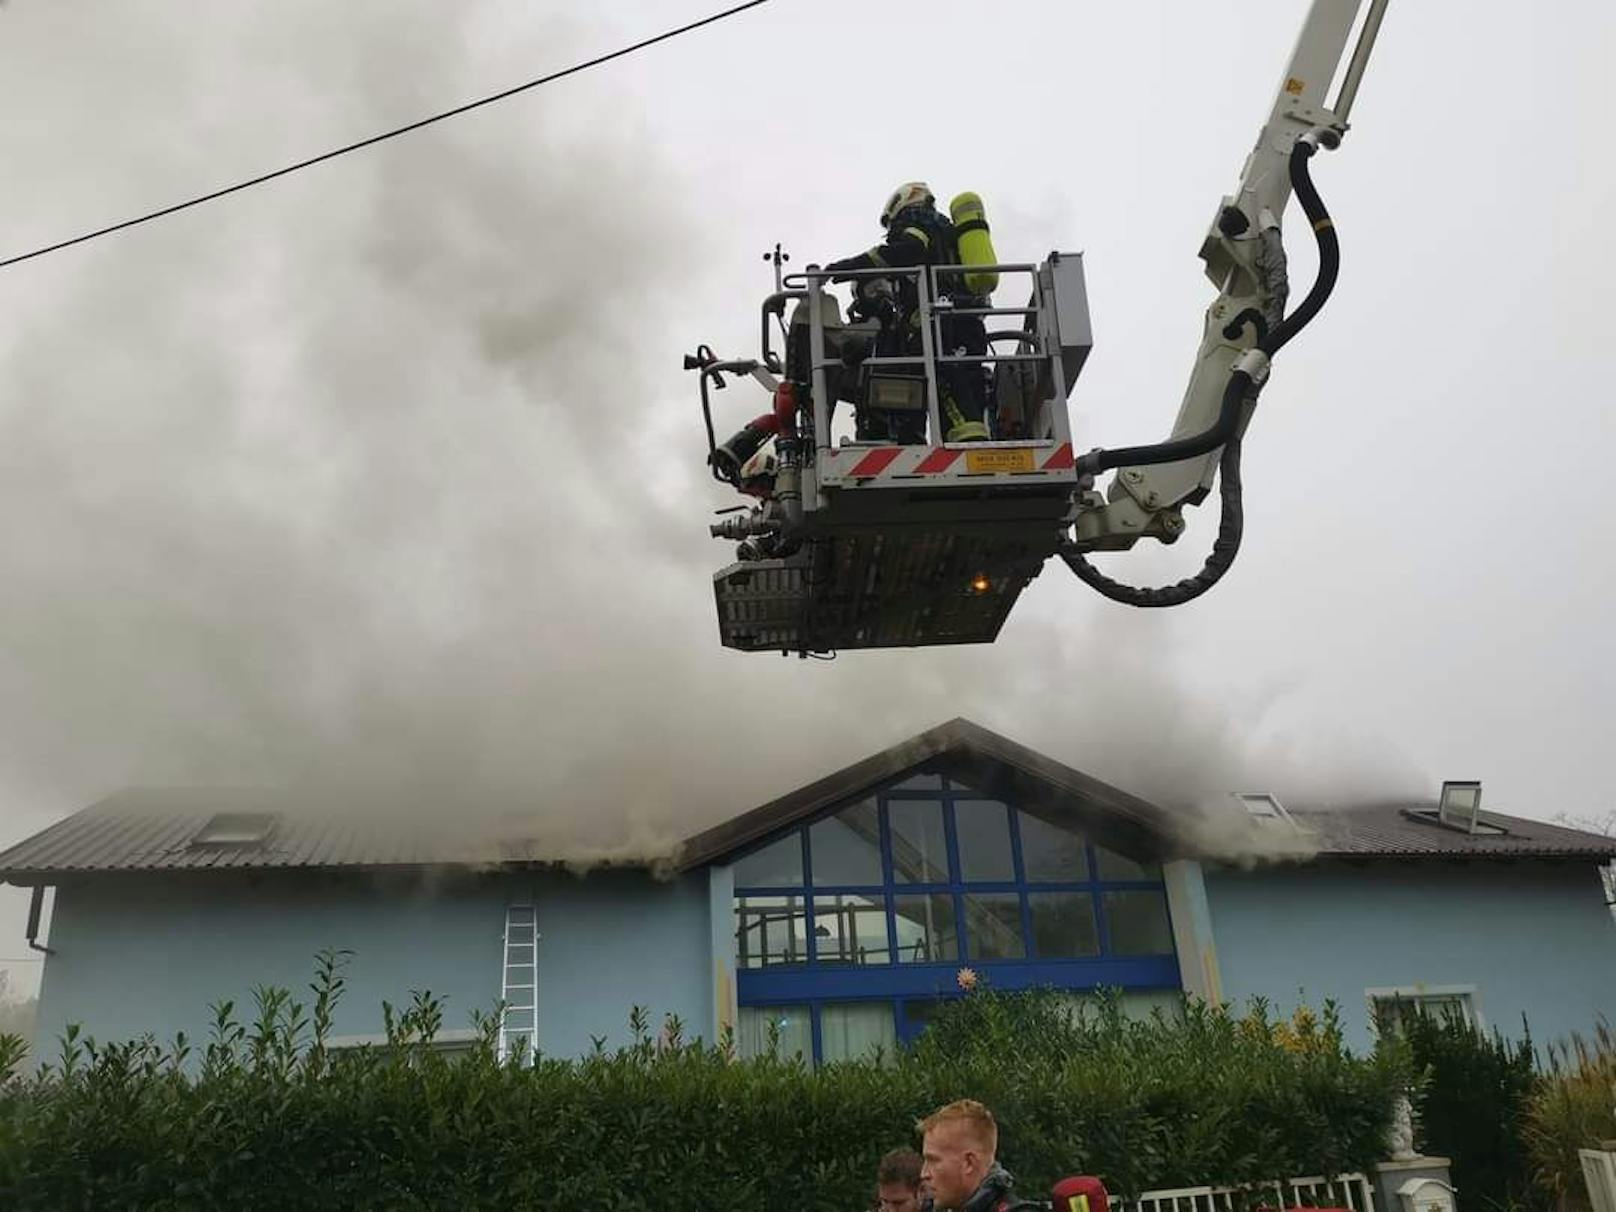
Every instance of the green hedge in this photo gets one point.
(1475, 1089)
(264, 1116)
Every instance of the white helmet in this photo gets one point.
(915, 193)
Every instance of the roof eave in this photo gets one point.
(31, 877)
(1595, 857)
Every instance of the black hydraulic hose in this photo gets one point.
(1231, 527)
(1205, 442)
(713, 369)
(1241, 380)
(1329, 250)
(704, 359)
(712, 438)
(1224, 432)
(1251, 316)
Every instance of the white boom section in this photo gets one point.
(1146, 500)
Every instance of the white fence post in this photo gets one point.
(1354, 1191)
(1599, 1172)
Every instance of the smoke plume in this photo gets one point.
(385, 477)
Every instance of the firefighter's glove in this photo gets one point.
(878, 307)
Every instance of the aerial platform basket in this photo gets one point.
(914, 544)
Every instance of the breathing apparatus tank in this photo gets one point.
(975, 242)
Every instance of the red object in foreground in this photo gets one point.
(785, 408)
(1080, 1193)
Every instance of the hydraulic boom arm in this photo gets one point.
(893, 536)
(1245, 325)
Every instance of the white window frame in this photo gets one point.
(1280, 815)
(1419, 992)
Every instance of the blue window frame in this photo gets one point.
(966, 880)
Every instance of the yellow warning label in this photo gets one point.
(1016, 459)
(1295, 87)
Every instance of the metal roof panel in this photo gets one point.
(150, 830)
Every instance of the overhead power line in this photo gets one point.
(385, 135)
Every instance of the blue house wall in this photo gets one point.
(614, 940)
(137, 953)
(1532, 938)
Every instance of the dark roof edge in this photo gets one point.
(1478, 855)
(1356, 857)
(29, 877)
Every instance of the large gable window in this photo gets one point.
(847, 847)
(983, 830)
(860, 920)
(1064, 925)
(1138, 923)
(1114, 866)
(778, 865)
(919, 841)
(925, 924)
(993, 923)
(851, 928)
(770, 931)
(1050, 853)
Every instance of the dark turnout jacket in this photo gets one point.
(996, 1194)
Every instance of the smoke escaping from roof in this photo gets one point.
(384, 476)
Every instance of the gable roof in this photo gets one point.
(993, 764)
(148, 830)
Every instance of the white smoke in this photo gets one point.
(384, 476)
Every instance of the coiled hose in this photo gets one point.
(1231, 528)
(1241, 386)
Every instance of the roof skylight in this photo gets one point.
(1264, 808)
(235, 829)
(1459, 808)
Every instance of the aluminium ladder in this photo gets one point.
(519, 983)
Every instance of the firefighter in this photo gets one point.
(918, 234)
(959, 1170)
(897, 1182)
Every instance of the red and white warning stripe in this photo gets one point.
(863, 464)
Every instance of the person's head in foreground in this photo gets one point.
(960, 1142)
(897, 1182)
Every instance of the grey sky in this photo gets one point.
(388, 472)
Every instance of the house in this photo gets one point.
(833, 919)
